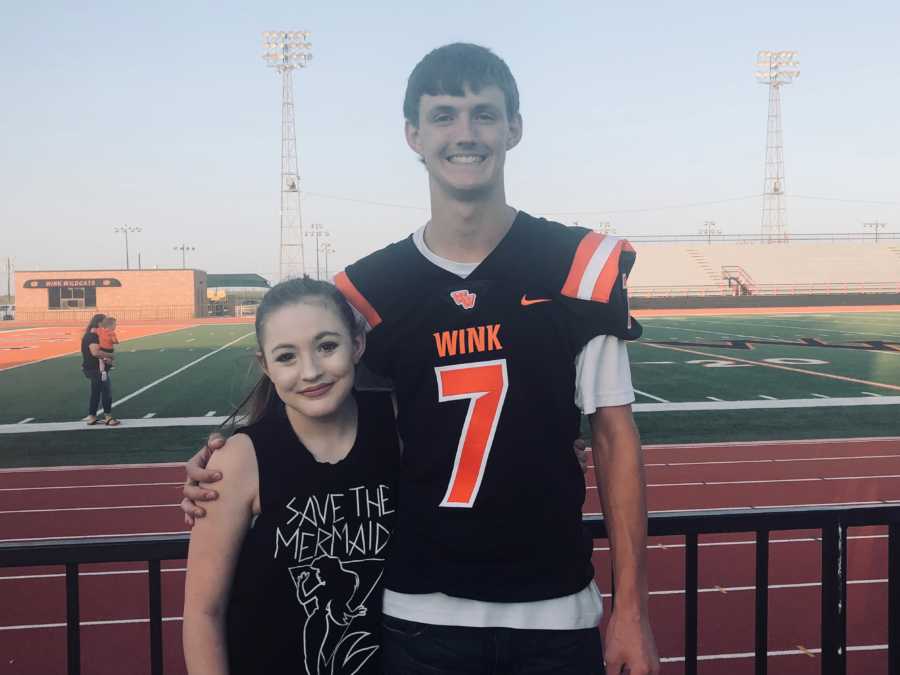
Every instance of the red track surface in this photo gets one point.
(68, 502)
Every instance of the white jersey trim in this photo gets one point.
(583, 609)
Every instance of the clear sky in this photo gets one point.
(163, 115)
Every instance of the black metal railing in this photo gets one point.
(832, 521)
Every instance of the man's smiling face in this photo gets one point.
(463, 140)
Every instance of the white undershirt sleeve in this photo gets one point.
(603, 375)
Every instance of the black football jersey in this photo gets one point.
(490, 492)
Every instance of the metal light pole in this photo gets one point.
(125, 229)
(285, 51)
(776, 69)
(326, 249)
(875, 227)
(710, 229)
(184, 248)
(317, 231)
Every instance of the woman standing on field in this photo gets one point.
(101, 387)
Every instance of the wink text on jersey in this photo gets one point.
(468, 340)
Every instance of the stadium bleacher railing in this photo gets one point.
(832, 522)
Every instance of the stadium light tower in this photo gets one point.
(285, 51)
(125, 229)
(775, 70)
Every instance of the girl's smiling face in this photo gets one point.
(310, 355)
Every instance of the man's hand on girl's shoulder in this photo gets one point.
(197, 473)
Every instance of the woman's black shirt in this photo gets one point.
(306, 596)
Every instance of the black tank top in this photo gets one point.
(306, 596)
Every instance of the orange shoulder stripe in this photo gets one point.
(357, 299)
(583, 256)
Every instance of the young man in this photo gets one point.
(493, 326)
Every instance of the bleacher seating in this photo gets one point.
(796, 267)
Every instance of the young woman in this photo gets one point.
(92, 356)
(284, 576)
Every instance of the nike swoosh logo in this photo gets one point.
(526, 301)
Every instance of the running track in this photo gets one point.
(71, 502)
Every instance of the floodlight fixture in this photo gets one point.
(184, 248)
(126, 229)
(286, 50)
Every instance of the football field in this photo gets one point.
(697, 378)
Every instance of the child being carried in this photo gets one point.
(106, 331)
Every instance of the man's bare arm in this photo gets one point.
(197, 473)
(619, 468)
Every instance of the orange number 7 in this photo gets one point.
(485, 385)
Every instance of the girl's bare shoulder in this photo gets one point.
(236, 459)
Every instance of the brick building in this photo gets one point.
(130, 295)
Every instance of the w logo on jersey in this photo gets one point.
(463, 298)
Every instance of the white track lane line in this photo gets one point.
(811, 479)
(30, 577)
(108, 622)
(92, 508)
(781, 652)
(748, 542)
(786, 460)
(76, 537)
(86, 487)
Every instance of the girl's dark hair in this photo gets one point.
(95, 321)
(263, 399)
(448, 69)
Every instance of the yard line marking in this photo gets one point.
(106, 622)
(768, 398)
(190, 339)
(210, 413)
(821, 396)
(182, 369)
(713, 398)
(26, 420)
(92, 508)
(88, 487)
(869, 393)
(791, 369)
(651, 363)
(149, 415)
(655, 398)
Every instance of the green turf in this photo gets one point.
(56, 391)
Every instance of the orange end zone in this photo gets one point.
(20, 346)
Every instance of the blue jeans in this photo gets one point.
(99, 388)
(412, 648)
